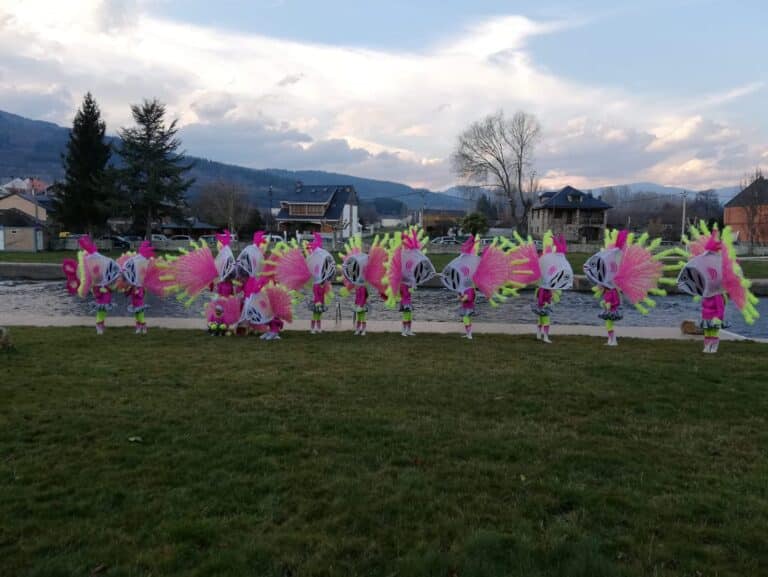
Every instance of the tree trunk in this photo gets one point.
(149, 224)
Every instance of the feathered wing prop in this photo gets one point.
(641, 270)
(190, 273)
(69, 266)
(288, 266)
(523, 260)
(376, 269)
(494, 276)
(394, 270)
(735, 284)
(230, 309)
(280, 301)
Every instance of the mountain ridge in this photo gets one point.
(35, 147)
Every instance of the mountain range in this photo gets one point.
(34, 148)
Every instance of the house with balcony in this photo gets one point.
(578, 216)
(330, 209)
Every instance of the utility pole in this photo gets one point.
(269, 211)
(423, 202)
(682, 226)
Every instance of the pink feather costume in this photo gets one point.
(628, 267)
(713, 274)
(491, 274)
(295, 268)
(360, 270)
(407, 268)
(140, 273)
(267, 307)
(92, 273)
(197, 270)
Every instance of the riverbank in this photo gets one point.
(374, 326)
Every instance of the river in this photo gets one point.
(50, 298)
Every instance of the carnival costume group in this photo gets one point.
(256, 292)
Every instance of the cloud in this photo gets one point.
(261, 101)
(290, 79)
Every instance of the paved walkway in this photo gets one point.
(420, 327)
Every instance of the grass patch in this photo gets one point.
(323, 456)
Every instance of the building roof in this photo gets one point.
(569, 197)
(755, 193)
(18, 218)
(444, 212)
(191, 223)
(43, 201)
(335, 196)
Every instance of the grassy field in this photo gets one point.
(182, 454)
(752, 268)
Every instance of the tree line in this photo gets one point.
(142, 175)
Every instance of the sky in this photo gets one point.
(665, 91)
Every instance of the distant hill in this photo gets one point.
(34, 148)
(724, 194)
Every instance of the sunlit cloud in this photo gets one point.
(266, 102)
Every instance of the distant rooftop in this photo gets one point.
(569, 197)
(755, 193)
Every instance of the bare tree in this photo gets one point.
(498, 153)
(224, 204)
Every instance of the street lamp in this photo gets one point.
(684, 194)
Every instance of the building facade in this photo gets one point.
(329, 209)
(577, 215)
(747, 213)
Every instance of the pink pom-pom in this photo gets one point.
(87, 244)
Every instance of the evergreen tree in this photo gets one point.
(154, 173)
(475, 223)
(85, 198)
(484, 206)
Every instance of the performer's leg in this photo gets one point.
(544, 319)
(101, 316)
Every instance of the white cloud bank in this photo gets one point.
(265, 102)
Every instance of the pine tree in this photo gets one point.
(87, 194)
(154, 168)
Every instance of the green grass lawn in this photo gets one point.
(336, 455)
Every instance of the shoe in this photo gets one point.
(469, 336)
(410, 333)
(138, 330)
(538, 334)
(362, 333)
(545, 339)
(99, 328)
(275, 337)
(312, 332)
(144, 329)
(357, 332)
(715, 345)
(403, 333)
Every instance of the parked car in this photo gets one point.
(444, 240)
(209, 239)
(182, 237)
(133, 237)
(486, 240)
(117, 241)
(273, 238)
(159, 238)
